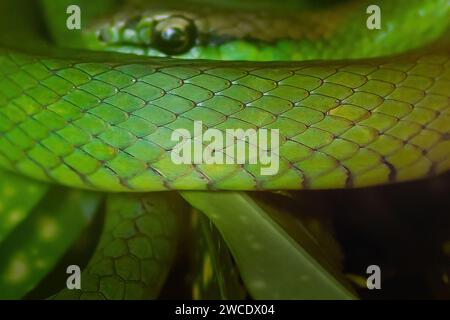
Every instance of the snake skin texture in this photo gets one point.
(107, 126)
(135, 251)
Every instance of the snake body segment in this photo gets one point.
(136, 249)
(107, 126)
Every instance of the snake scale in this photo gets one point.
(377, 113)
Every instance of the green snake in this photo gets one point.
(354, 107)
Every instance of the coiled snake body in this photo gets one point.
(103, 121)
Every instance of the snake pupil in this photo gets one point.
(174, 35)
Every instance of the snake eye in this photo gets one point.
(174, 35)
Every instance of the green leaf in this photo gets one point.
(36, 245)
(272, 264)
(18, 196)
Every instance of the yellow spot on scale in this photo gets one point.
(17, 270)
(48, 228)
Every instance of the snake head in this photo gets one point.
(170, 34)
(150, 31)
(213, 31)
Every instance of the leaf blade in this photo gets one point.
(272, 264)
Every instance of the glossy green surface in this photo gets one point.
(36, 245)
(103, 121)
(108, 126)
(135, 251)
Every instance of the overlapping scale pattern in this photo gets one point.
(138, 243)
(108, 126)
